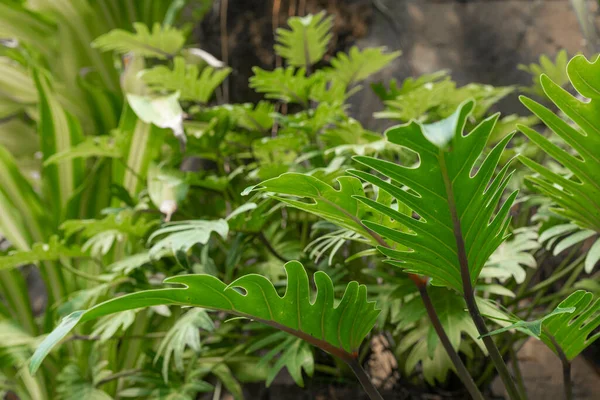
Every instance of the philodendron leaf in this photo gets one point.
(338, 330)
(183, 235)
(578, 198)
(336, 206)
(447, 184)
(570, 324)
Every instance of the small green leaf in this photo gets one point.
(101, 146)
(585, 76)
(305, 43)
(571, 324)
(65, 326)
(162, 42)
(358, 64)
(162, 111)
(52, 251)
(593, 256)
(186, 79)
(183, 235)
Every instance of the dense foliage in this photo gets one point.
(153, 212)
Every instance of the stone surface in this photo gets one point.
(478, 41)
(542, 374)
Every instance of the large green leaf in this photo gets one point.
(572, 324)
(338, 330)
(578, 197)
(447, 186)
(305, 43)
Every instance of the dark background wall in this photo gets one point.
(479, 41)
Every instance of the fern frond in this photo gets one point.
(289, 85)
(358, 65)
(186, 79)
(305, 43)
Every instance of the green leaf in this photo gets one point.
(296, 357)
(181, 236)
(578, 197)
(305, 43)
(184, 333)
(59, 131)
(335, 329)
(511, 256)
(161, 42)
(358, 64)
(52, 251)
(123, 222)
(141, 143)
(289, 85)
(186, 79)
(98, 146)
(421, 344)
(162, 111)
(572, 324)
(336, 206)
(474, 197)
(556, 70)
(593, 256)
(167, 189)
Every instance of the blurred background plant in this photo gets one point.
(122, 163)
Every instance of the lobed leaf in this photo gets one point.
(448, 180)
(572, 324)
(578, 197)
(337, 329)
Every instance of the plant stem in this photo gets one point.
(566, 367)
(421, 284)
(364, 379)
(469, 293)
(461, 370)
(517, 370)
(270, 247)
(118, 375)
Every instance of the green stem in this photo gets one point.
(566, 367)
(364, 379)
(517, 370)
(461, 370)
(469, 293)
